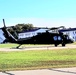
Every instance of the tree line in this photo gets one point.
(14, 30)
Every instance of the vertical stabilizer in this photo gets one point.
(4, 23)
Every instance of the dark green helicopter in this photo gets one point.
(37, 36)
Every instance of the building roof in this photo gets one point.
(69, 29)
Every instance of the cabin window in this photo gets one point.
(59, 38)
(55, 38)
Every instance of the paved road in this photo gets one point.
(60, 71)
(38, 47)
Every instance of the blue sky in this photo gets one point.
(41, 13)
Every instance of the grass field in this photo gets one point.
(36, 59)
(8, 45)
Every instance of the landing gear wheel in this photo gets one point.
(63, 44)
(55, 45)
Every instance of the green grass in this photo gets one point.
(37, 59)
(8, 45)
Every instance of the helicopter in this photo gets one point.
(46, 36)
